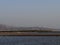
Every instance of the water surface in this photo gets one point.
(29, 40)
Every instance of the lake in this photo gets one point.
(29, 40)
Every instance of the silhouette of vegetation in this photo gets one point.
(29, 31)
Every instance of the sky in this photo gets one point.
(27, 13)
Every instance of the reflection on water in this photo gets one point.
(29, 40)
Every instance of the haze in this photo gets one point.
(45, 13)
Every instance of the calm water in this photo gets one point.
(29, 40)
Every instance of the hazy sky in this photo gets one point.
(30, 13)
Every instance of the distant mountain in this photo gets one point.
(11, 28)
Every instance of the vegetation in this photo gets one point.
(29, 31)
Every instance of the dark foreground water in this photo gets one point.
(29, 40)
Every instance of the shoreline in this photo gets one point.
(18, 33)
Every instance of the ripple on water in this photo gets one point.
(29, 40)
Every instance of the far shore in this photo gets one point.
(30, 33)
